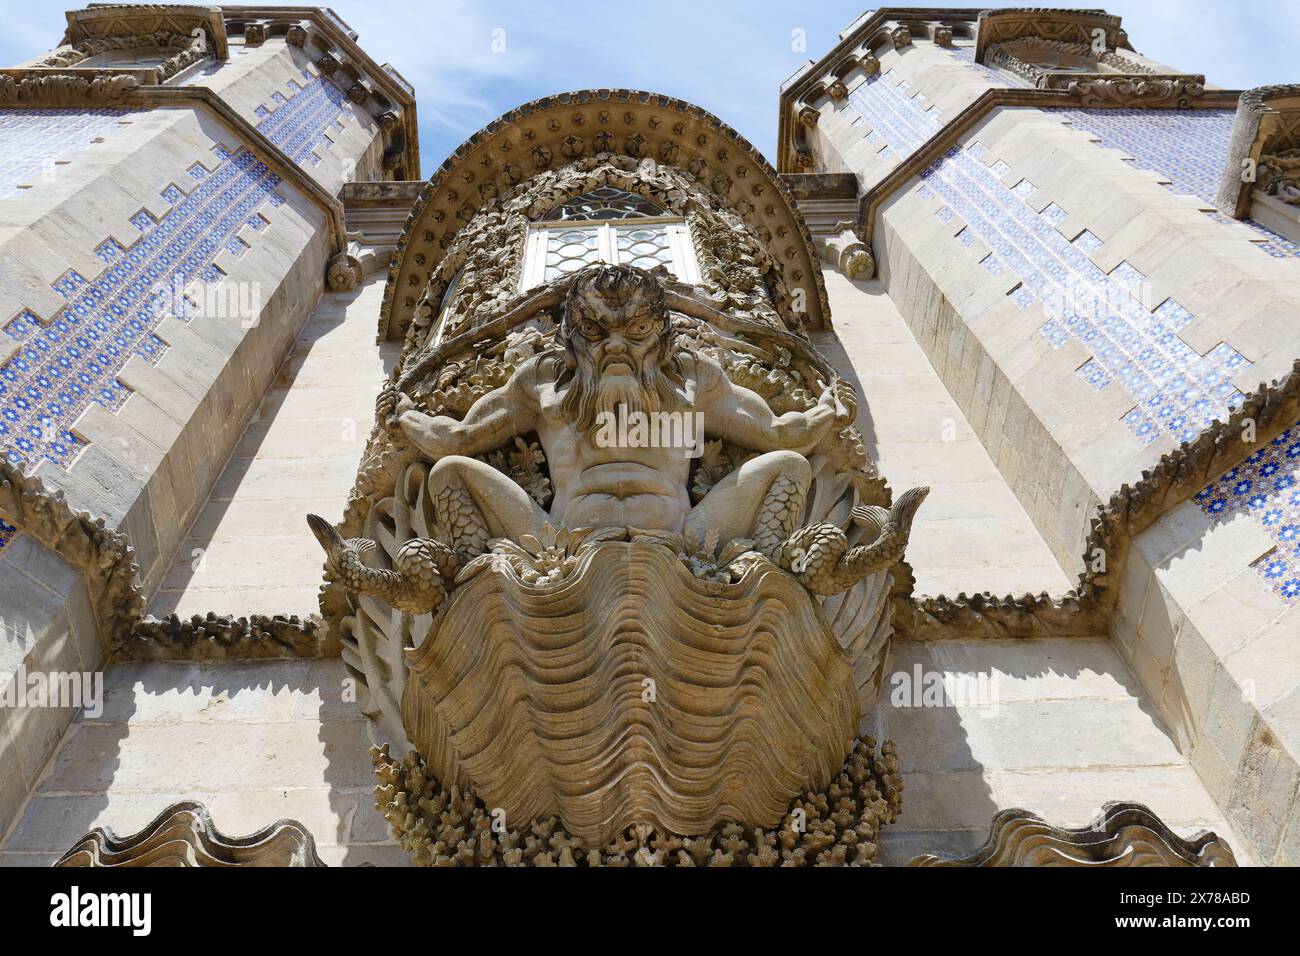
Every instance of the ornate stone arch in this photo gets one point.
(548, 134)
(736, 268)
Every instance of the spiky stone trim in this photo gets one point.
(104, 555)
(1085, 610)
(441, 826)
(217, 637)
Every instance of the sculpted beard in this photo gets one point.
(591, 394)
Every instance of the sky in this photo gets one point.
(472, 60)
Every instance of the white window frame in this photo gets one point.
(684, 265)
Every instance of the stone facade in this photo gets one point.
(1001, 259)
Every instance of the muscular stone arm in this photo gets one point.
(493, 420)
(740, 416)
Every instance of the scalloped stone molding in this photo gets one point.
(1122, 834)
(184, 835)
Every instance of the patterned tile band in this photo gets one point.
(32, 141)
(1267, 487)
(1175, 389)
(73, 361)
(1187, 147)
(300, 121)
(62, 366)
(8, 531)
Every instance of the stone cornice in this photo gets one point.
(331, 38)
(123, 20)
(874, 31)
(550, 132)
(225, 637)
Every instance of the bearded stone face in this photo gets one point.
(618, 335)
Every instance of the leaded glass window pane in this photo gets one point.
(604, 203)
(571, 249)
(644, 246)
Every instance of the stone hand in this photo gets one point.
(390, 404)
(840, 396)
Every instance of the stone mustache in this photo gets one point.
(625, 656)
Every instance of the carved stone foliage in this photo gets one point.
(1026, 56)
(1155, 92)
(1073, 27)
(183, 835)
(104, 555)
(113, 21)
(181, 51)
(1123, 834)
(53, 90)
(589, 124)
(445, 825)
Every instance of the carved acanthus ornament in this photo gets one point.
(182, 51)
(1100, 90)
(62, 90)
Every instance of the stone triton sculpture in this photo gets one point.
(616, 556)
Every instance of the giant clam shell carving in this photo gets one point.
(567, 699)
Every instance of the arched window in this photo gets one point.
(607, 225)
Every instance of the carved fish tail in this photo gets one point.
(777, 515)
(458, 515)
(392, 587)
(886, 551)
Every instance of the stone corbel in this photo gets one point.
(254, 34)
(358, 93)
(296, 35)
(344, 272)
(1264, 153)
(327, 64)
(849, 254)
(901, 36)
(837, 90)
(940, 34)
